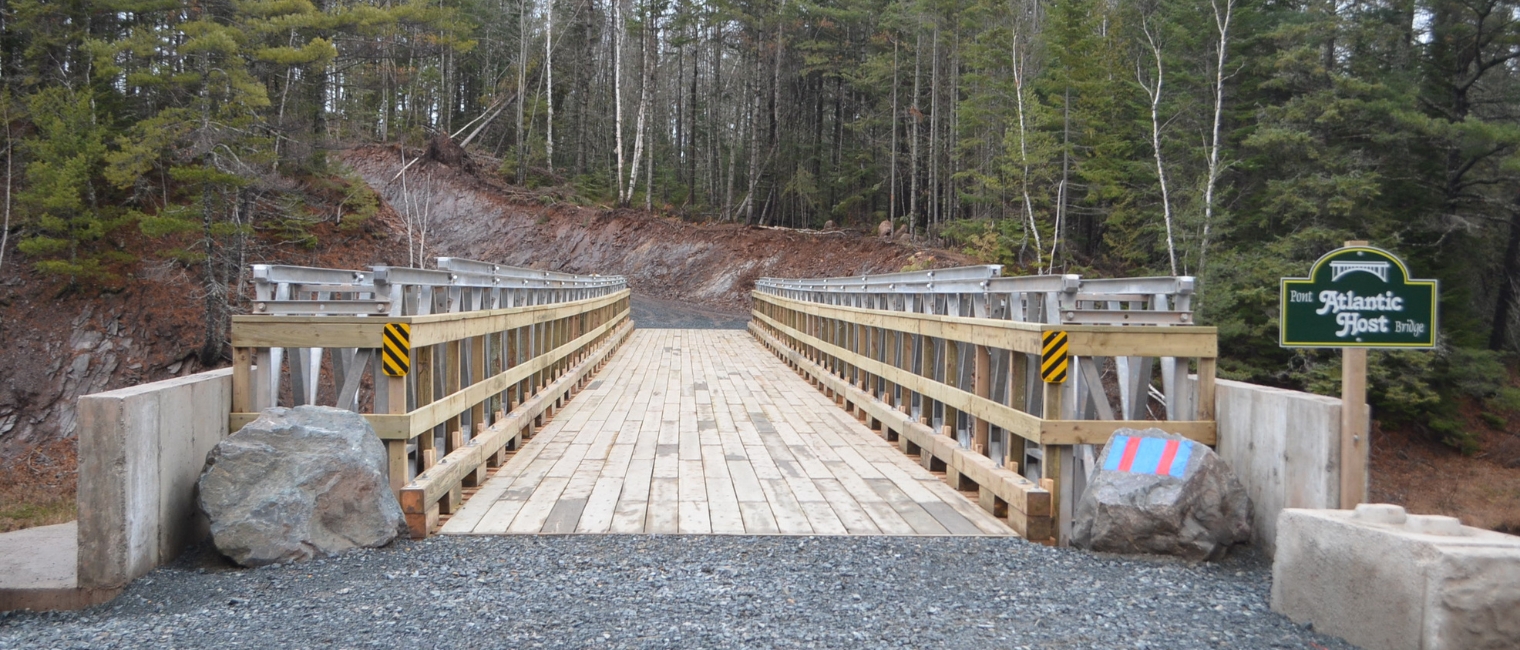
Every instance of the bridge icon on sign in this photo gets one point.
(1338, 269)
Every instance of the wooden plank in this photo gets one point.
(694, 518)
(536, 511)
(1022, 424)
(919, 519)
(758, 519)
(1016, 488)
(565, 515)
(664, 506)
(257, 331)
(633, 503)
(242, 381)
(790, 518)
(849, 512)
(1097, 432)
(1085, 340)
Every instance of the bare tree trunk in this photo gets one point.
(617, 89)
(1222, 26)
(10, 153)
(934, 214)
(892, 185)
(918, 116)
(1153, 91)
(1055, 239)
(638, 129)
(691, 160)
(406, 217)
(679, 148)
(522, 82)
(549, 82)
(775, 139)
(1018, 94)
(652, 81)
(754, 156)
(1498, 336)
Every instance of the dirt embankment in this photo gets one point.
(59, 344)
(62, 343)
(476, 217)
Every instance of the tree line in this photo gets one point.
(1234, 140)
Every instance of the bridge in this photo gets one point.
(938, 402)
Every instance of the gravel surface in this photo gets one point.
(688, 592)
(653, 313)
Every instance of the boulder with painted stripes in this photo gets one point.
(1158, 493)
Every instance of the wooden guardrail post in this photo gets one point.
(395, 450)
(879, 350)
(981, 435)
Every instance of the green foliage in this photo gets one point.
(1003, 241)
(1508, 399)
(62, 195)
(1494, 420)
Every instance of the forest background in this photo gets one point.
(1232, 140)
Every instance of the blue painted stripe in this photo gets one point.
(1148, 456)
(1180, 461)
(1115, 453)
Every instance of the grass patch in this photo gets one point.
(37, 488)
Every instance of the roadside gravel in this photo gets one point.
(619, 591)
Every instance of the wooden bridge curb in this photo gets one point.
(439, 490)
(1025, 506)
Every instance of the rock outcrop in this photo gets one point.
(1155, 492)
(299, 483)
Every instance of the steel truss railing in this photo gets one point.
(492, 350)
(969, 330)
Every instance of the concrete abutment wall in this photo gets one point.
(1284, 446)
(141, 451)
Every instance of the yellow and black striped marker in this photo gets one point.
(397, 357)
(1053, 358)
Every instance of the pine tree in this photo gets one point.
(63, 196)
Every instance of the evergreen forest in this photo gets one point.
(1232, 140)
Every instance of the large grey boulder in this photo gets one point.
(299, 483)
(1156, 492)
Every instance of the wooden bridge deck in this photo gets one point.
(703, 431)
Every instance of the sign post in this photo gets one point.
(1355, 298)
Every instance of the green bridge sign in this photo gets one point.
(1358, 297)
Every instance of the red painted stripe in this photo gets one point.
(1164, 466)
(1129, 454)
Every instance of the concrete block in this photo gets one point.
(141, 450)
(178, 468)
(37, 570)
(1385, 580)
(1283, 445)
(213, 404)
(118, 486)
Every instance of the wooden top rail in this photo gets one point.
(1043, 298)
(1086, 340)
(364, 332)
(1029, 427)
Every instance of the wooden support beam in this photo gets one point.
(982, 380)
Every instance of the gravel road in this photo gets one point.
(687, 592)
(670, 314)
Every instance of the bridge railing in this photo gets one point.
(948, 362)
(451, 366)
